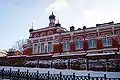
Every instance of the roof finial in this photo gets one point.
(52, 12)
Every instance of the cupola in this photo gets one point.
(58, 24)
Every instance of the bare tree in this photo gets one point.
(19, 44)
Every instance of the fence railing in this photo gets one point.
(26, 75)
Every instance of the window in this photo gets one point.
(92, 43)
(119, 38)
(42, 47)
(78, 44)
(107, 41)
(50, 47)
(35, 48)
(66, 45)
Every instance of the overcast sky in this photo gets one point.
(16, 16)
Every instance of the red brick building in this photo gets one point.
(56, 40)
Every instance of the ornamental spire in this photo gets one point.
(31, 30)
(32, 25)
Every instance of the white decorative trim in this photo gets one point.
(113, 30)
(78, 37)
(100, 54)
(47, 28)
(36, 35)
(43, 34)
(101, 49)
(49, 32)
(92, 36)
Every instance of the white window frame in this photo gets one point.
(34, 48)
(92, 43)
(67, 46)
(79, 47)
(48, 46)
(105, 44)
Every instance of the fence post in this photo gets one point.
(2, 72)
(18, 74)
(60, 76)
(105, 77)
(88, 76)
(37, 74)
(73, 76)
(27, 74)
(48, 75)
(10, 73)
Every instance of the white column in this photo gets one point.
(113, 30)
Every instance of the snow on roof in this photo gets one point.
(68, 54)
(100, 54)
(16, 56)
(40, 55)
(2, 53)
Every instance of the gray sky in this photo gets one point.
(16, 16)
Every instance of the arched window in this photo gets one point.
(50, 47)
(107, 41)
(92, 43)
(35, 48)
(42, 47)
(78, 44)
(66, 45)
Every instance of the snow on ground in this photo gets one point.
(66, 71)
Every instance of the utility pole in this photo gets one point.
(84, 27)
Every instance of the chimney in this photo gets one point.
(79, 29)
(72, 28)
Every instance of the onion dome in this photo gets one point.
(52, 16)
(31, 30)
(58, 24)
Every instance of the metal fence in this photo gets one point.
(20, 75)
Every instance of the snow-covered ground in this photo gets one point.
(66, 71)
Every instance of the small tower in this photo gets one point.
(52, 20)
